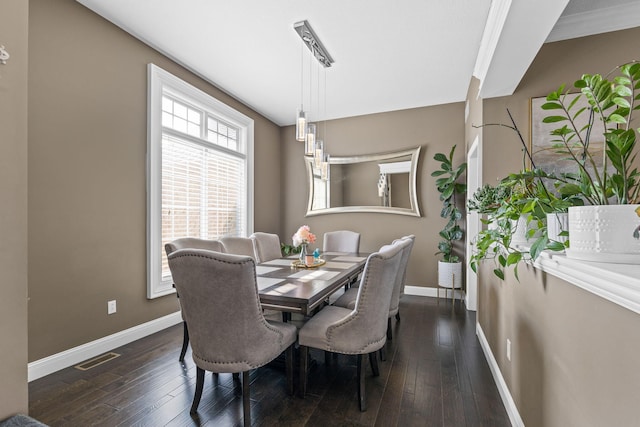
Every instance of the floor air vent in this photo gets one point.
(92, 363)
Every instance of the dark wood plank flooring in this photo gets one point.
(435, 375)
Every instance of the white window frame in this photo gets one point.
(160, 81)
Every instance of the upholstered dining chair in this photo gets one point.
(266, 245)
(341, 241)
(215, 287)
(193, 243)
(348, 299)
(361, 331)
(239, 246)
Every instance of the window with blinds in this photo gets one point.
(202, 159)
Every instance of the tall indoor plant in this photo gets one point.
(451, 189)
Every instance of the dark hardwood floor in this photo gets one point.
(435, 375)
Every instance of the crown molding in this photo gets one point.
(597, 21)
(496, 19)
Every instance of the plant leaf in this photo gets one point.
(553, 119)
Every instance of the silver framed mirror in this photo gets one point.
(378, 183)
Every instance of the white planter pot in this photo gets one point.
(604, 234)
(450, 274)
(521, 227)
(557, 223)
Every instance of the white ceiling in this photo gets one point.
(389, 55)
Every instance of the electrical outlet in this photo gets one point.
(111, 307)
(508, 349)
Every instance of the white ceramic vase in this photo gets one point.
(604, 234)
(556, 224)
(519, 236)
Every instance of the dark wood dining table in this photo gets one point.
(290, 289)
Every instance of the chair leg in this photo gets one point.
(362, 398)
(288, 355)
(199, 387)
(389, 331)
(185, 342)
(398, 315)
(373, 360)
(246, 401)
(304, 366)
(383, 354)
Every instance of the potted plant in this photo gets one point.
(447, 183)
(515, 211)
(610, 185)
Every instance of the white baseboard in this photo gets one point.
(422, 291)
(505, 394)
(56, 362)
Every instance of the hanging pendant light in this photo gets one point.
(325, 168)
(301, 116)
(310, 143)
(318, 156)
(301, 124)
(305, 130)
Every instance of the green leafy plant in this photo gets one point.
(519, 200)
(612, 102)
(519, 195)
(449, 188)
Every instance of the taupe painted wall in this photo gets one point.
(87, 182)
(435, 129)
(13, 209)
(574, 355)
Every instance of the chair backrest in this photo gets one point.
(398, 288)
(193, 243)
(412, 237)
(341, 241)
(220, 303)
(266, 245)
(365, 330)
(239, 246)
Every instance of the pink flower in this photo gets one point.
(303, 235)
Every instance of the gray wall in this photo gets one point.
(87, 182)
(435, 129)
(575, 355)
(13, 209)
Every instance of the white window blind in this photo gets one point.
(200, 174)
(202, 193)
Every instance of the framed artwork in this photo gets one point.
(545, 156)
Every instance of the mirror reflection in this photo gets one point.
(384, 183)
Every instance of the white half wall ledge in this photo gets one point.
(618, 283)
(75, 355)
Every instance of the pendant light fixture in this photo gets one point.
(301, 116)
(306, 131)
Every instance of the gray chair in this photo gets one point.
(361, 331)
(214, 288)
(348, 299)
(239, 246)
(266, 246)
(190, 243)
(341, 241)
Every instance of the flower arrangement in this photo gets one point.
(303, 236)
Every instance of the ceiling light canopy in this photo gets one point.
(304, 30)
